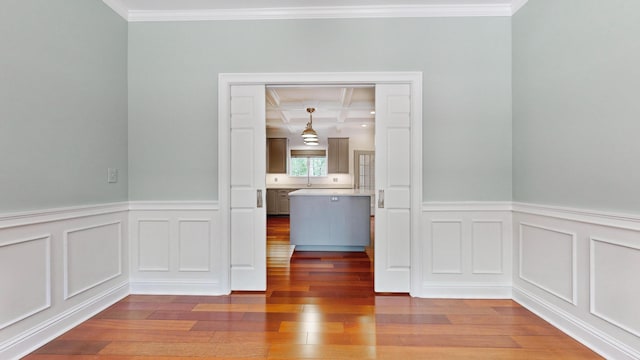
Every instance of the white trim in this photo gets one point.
(31, 339)
(176, 287)
(65, 258)
(574, 263)
(139, 251)
(446, 221)
(173, 205)
(604, 218)
(47, 305)
(466, 206)
(416, 244)
(321, 12)
(588, 335)
(592, 283)
(32, 217)
(516, 5)
(473, 246)
(225, 81)
(466, 291)
(208, 222)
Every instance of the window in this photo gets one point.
(308, 163)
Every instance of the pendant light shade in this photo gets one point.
(309, 135)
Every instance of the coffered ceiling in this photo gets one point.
(338, 109)
(186, 10)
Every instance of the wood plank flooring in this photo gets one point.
(317, 306)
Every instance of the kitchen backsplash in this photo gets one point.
(333, 180)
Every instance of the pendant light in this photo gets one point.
(309, 135)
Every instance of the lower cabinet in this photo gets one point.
(278, 201)
(272, 202)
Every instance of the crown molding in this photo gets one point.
(320, 12)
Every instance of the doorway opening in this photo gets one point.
(241, 168)
(342, 117)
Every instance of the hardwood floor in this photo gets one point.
(317, 306)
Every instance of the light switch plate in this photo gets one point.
(112, 175)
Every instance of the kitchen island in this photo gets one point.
(330, 219)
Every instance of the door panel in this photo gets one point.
(393, 188)
(247, 179)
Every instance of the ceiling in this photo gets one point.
(186, 10)
(339, 110)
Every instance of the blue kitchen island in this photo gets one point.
(330, 219)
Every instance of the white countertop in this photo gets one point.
(304, 186)
(329, 192)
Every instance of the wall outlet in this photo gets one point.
(112, 175)
(335, 179)
(275, 179)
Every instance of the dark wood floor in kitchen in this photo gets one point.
(317, 306)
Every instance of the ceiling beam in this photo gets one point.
(345, 97)
(273, 98)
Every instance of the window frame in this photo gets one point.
(308, 159)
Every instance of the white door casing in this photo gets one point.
(392, 256)
(413, 81)
(247, 184)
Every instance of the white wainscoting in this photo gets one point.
(466, 250)
(578, 269)
(175, 249)
(91, 256)
(58, 267)
(575, 268)
(31, 259)
(547, 259)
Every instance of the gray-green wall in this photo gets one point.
(63, 104)
(576, 104)
(466, 62)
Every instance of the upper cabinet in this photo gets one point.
(338, 156)
(277, 155)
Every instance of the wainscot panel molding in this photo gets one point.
(31, 258)
(548, 260)
(82, 272)
(467, 250)
(587, 216)
(31, 217)
(176, 249)
(578, 271)
(610, 259)
(174, 205)
(72, 263)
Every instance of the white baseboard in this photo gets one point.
(176, 288)
(35, 337)
(466, 291)
(583, 332)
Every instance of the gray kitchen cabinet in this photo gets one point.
(278, 201)
(338, 156)
(277, 155)
(283, 202)
(272, 202)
